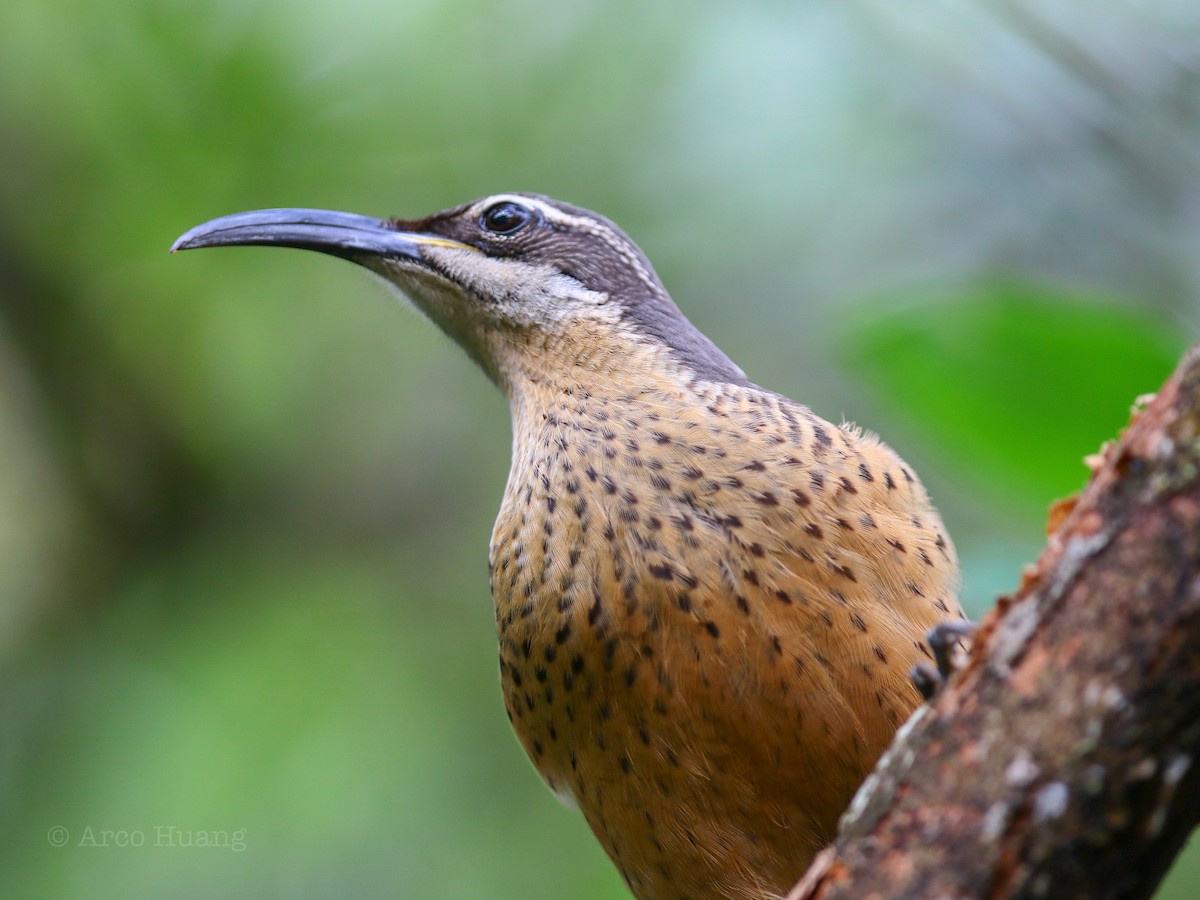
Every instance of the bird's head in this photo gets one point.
(530, 287)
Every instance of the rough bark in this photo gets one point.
(1061, 761)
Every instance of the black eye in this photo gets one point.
(506, 218)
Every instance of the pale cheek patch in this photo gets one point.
(521, 293)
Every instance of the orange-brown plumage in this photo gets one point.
(708, 602)
(708, 599)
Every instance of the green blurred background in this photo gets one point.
(245, 496)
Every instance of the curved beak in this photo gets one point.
(346, 235)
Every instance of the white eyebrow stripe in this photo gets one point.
(579, 223)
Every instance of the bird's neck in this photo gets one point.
(551, 372)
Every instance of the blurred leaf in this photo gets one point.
(1017, 381)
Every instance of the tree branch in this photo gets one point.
(1062, 760)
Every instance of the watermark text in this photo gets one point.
(154, 837)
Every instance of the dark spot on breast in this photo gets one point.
(821, 435)
(847, 485)
(756, 550)
(662, 570)
(754, 466)
(879, 654)
(783, 596)
(801, 498)
(684, 602)
(896, 544)
(812, 529)
(767, 498)
(742, 604)
(711, 627)
(691, 473)
(864, 473)
(858, 621)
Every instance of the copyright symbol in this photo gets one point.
(58, 836)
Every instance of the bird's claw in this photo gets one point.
(942, 638)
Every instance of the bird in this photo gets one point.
(708, 599)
